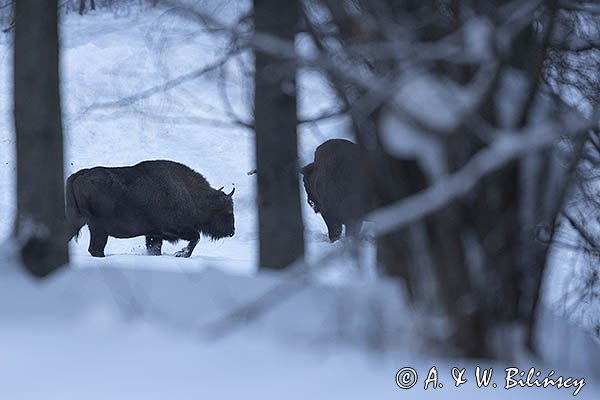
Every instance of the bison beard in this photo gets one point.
(336, 184)
(161, 200)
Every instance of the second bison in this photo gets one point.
(337, 186)
(161, 200)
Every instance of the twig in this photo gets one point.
(581, 231)
(227, 103)
(173, 83)
(324, 115)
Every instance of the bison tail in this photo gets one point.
(73, 216)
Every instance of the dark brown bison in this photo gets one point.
(162, 200)
(337, 186)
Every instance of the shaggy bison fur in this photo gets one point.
(161, 200)
(337, 186)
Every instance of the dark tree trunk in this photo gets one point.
(394, 179)
(82, 6)
(279, 213)
(39, 226)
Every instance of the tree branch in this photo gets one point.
(504, 149)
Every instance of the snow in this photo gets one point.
(132, 326)
(114, 332)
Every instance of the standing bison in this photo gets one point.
(337, 186)
(162, 200)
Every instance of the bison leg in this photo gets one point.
(187, 250)
(353, 229)
(153, 245)
(334, 227)
(98, 239)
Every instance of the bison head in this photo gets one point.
(308, 179)
(221, 223)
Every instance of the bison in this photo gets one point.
(337, 186)
(159, 199)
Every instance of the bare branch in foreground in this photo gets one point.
(297, 275)
(504, 149)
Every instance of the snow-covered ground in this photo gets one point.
(131, 326)
(114, 333)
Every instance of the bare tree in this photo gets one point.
(39, 227)
(461, 125)
(279, 213)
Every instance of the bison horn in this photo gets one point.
(232, 192)
(221, 188)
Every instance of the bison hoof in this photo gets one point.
(185, 253)
(97, 254)
(334, 238)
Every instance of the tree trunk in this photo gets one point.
(39, 227)
(279, 213)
